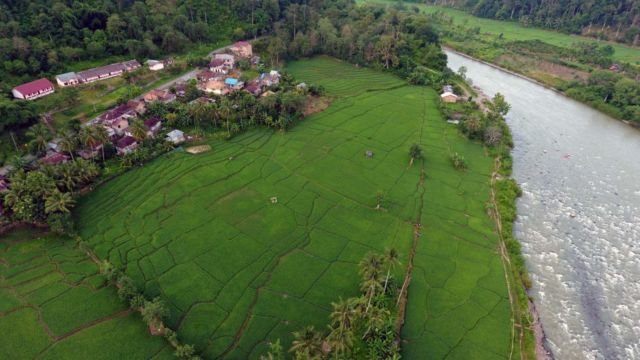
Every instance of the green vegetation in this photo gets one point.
(600, 74)
(239, 269)
(604, 19)
(512, 31)
(55, 305)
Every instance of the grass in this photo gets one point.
(239, 271)
(514, 31)
(55, 305)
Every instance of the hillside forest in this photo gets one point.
(617, 20)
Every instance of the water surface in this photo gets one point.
(579, 216)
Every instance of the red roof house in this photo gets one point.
(33, 90)
(126, 145)
(54, 158)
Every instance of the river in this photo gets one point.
(578, 218)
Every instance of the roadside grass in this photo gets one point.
(55, 305)
(239, 271)
(514, 31)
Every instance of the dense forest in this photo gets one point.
(391, 39)
(617, 20)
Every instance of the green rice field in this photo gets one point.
(55, 305)
(255, 239)
(514, 31)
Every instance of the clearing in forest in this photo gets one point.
(55, 305)
(239, 270)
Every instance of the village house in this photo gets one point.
(267, 93)
(138, 106)
(67, 79)
(54, 145)
(117, 119)
(54, 158)
(217, 87)
(228, 59)
(33, 90)
(270, 79)
(448, 95)
(176, 137)
(131, 65)
(91, 152)
(218, 66)
(242, 49)
(234, 84)
(155, 65)
(153, 124)
(163, 96)
(253, 88)
(180, 89)
(206, 75)
(126, 145)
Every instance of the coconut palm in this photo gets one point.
(40, 136)
(138, 130)
(58, 201)
(391, 258)
(376, 319)
(102, 136)
(88, 137)
(342, 317)
(371, 271)
(415, 152)
(307, 343)
(69, 142)
(66, 177)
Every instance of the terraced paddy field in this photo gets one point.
(55, 305)
(239, 270)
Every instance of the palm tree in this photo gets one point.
(415, 152)
(342, 318)
(40, 136)
(58, 201)
(69, 142)
(88, 137)
(371, 270)
(102, 136)
(307, 343)
(67, 178)
(376, 319)
(391, 258)
(138, 130)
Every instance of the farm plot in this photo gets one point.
(254, 239)
(55, 305)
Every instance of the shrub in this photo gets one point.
(458, 161)
(126, 288)
(184, 351)
(61, 223)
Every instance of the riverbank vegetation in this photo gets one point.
(607, 19)
(483, 120)
(587, 71)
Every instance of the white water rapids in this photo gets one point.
(578, 218)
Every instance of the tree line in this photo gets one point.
(617, 20)
(381, 37)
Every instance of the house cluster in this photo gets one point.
(448, 95)
(222, 77)
(117, 121)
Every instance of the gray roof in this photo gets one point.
(67, 76)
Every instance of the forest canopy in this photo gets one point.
(618, 20)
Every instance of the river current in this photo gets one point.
(578, 218)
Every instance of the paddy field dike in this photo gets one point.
(239, 270)
(55, 305)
